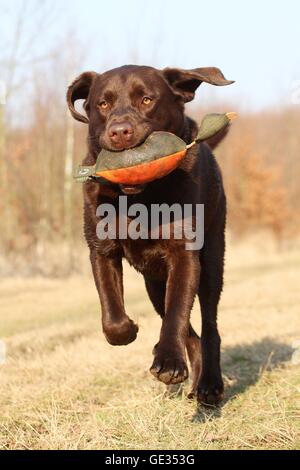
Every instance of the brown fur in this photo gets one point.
(173, 276)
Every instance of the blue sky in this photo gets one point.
(256, 43)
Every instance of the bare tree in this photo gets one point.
(21, 52)
(71, 66)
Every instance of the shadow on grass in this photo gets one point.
(242, 366)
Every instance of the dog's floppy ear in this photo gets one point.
(185, 82)
(79, 90)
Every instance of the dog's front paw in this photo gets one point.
(210, 390)
(121, 333)
(169, 366)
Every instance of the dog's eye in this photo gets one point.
(146, 100)
(103, 104)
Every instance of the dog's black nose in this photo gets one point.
(121, 134)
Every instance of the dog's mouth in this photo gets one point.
(132, 189)
(122, 147)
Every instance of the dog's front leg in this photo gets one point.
(118, 328)
(169, 363)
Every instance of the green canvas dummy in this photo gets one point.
(160, 154)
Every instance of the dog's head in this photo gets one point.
(125, 105)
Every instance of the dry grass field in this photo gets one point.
(64, 387)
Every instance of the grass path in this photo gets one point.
(64, 387)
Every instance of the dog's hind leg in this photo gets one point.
(193, 347)
(211, 387)
(157, 294)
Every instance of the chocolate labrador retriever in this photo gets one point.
(123, 107)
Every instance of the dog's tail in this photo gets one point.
(214, 141)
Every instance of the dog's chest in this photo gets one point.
(150, 257)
